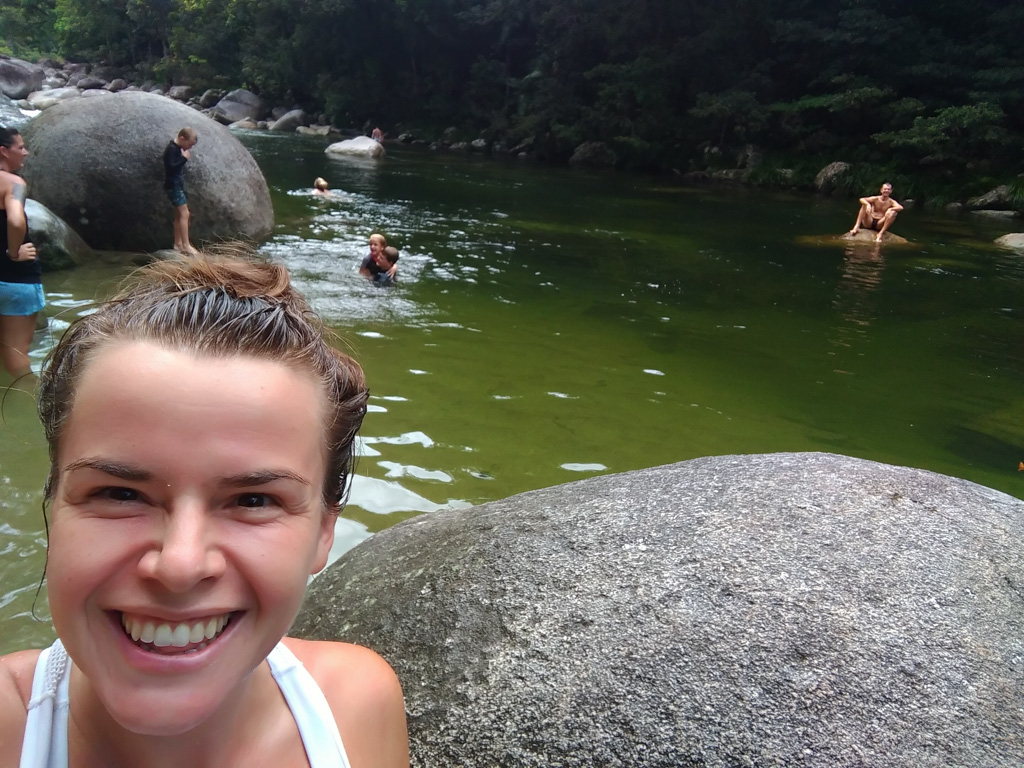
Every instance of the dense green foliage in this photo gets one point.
(922, 87)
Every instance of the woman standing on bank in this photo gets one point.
(21, 276)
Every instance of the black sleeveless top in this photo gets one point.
(16, 271)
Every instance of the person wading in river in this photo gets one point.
(21, 277)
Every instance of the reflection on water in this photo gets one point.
(854, 303)
(552, 324)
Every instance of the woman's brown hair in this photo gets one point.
(217, 304)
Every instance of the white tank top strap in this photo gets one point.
(312, 713)
(46, 723)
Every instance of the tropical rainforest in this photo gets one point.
(930, 92)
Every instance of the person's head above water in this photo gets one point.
(212, 307)
(321, 184)
(377, 245)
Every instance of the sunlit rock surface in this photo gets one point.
(361, 146)
(1014, 240)
(869, 235)
(766, 610)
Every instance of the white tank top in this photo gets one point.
(46, 726)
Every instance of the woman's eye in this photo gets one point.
(121, 495)
(253, 500)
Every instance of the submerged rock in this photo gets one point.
(775, 610)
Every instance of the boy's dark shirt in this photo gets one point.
(174, 166)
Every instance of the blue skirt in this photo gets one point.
(21, 298)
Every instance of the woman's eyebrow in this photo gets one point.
(262, 477)
(132, 472)
(118, 469)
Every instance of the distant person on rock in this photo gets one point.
(176, 154)
(877, 212)
(377, 135)
(321, 187)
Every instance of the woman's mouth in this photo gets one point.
(174, 637)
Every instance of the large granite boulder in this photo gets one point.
(776, 610)
(239, 104)
(19, 78)
(360, 146)
(593, 153)
(995, 199)
(289, 121)
(97, 164)
(828, 177)
(59, 246)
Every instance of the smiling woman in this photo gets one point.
(201, 436)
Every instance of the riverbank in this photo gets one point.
(995, 192)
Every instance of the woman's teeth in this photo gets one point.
(181, 635)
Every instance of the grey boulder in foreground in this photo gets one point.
(768, 610)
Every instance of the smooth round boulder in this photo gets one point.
(828, 177)
(595, 153)
(289, 121)
(97, 164)
(360, 146)
(59, 246)
(774, 610)
(1014, 241)
(239, 104)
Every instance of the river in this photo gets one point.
(552, 324)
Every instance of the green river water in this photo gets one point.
(554, 324)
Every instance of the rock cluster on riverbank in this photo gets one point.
(47, 83)
(771, 610)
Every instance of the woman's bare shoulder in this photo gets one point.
(16, 671)
(366, 698)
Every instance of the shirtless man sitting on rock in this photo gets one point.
(877, 212)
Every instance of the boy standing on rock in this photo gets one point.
(176, 154)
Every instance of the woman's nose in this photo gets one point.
(184, 552)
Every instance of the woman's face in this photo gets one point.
(186, 520)
(376, 247)
(14, 155)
